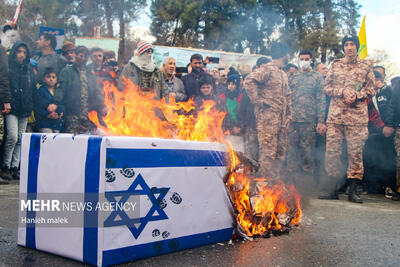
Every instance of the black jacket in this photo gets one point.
(68, 94)
(383, 98)
(191, 84)
(42, 99)
(22, 84)
(5, 95)
(394, 119)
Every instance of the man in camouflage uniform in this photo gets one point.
(268, 90)
(308, 117)
(350, 81)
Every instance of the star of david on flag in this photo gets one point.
(137, 188)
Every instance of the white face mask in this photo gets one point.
(304, 65)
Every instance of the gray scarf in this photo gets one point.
(144, 62)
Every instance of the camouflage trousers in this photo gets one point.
(397, 147)
(272, 139)
(1, 128)
(251, 143)
(300, 150)
(355, 135)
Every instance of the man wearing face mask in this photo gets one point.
(143, 72)
(308, 117)
(267, 87)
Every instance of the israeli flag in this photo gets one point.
(167, 195)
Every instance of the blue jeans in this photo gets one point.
(12, 145)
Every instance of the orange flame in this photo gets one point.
(271, 208)
(133, 112)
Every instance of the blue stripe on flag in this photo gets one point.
(33, 165)
(92, 175)
(121, 255)
(150, 158)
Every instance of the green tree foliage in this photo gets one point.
(233, 25)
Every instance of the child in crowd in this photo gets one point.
(47, 121)
(239, 119)
(21, 87)
(207, 87)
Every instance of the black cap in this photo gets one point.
(353, 39)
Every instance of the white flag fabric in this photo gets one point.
(142, 196)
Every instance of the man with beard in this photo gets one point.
(68, 51)
(175, 86)
(77, 95)
(350, 81)
(308, 117)
(268, 90)
(143, 72)
(48, 57)
(191, 81)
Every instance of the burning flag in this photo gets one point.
(261, 207)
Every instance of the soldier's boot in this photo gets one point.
(331, 190)
(354, 195)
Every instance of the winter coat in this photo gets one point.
(191, 84)
(5, 94)
(22, 84)
(42, 99)
(176, 87)
(132, 72)
(68, 94)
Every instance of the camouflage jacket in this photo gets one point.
(357, 76)
(308, 98)
(268, 89)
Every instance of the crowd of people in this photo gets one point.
(306, 121)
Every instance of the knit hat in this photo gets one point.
(354, 39)
(235, 78)
(67, 45)
(142, 47)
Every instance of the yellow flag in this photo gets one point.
(362, 52)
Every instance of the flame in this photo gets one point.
(135, 112)
(273, 207)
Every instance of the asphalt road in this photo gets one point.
(333, 233)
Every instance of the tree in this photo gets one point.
(234, 25)
(382, 58)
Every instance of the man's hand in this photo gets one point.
(349, 96)
(236, 130)
(6, 108)
(53, 115)
(387, 131)
(52, 108)
(321, 128)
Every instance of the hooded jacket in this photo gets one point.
(21, 82)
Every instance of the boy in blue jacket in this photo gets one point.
(47, 121)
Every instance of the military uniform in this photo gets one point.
(348, 121)
(268, 89)
(308, 108)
